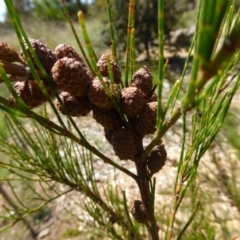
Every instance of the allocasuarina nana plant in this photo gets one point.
(128, 105)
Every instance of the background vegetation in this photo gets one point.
(145, 21)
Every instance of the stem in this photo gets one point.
(15, 69)
(144, 188)
(112, 31)
(160, 63)
(8, 199)
(143, 182)
(133, 54)
(75, 34)
(129, 31)
(173, 215)
(108, 160)
(34, 210)
(157, 138)
(19, 73)
(198, 205)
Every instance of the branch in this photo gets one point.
(8, 199)
(18, 72)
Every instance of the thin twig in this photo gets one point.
(8, 199)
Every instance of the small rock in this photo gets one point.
(45, 232)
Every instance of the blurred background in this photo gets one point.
(179, 23)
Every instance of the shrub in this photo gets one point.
(49, 147)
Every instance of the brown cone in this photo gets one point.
(146, 121)
(98, 96)
(108, 134)
(8, 53)
(45, 55)
(108, 118)
(71, 76)
(156, 159)
(29, 92)
(103, 67)
(63, 50)
(153, 98)
(124, 144)
(133, 100)
(76, 106)
(142, 79)
(139, 211)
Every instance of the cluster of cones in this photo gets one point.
(81, 91)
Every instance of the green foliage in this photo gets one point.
(229, 129)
